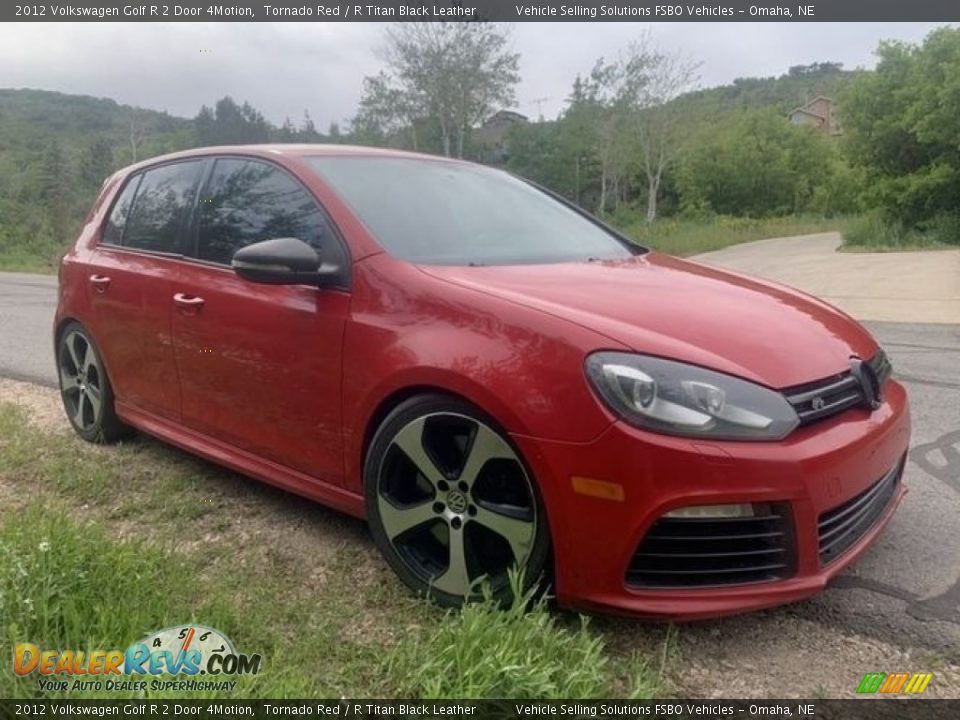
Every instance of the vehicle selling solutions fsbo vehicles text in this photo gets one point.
(661, 11)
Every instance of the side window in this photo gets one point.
(113, 233)
(248, 201)
(164, 195)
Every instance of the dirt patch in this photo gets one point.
(777, 655)
(42, 404)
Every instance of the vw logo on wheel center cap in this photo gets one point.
(456, 501)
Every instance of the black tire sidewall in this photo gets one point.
(399, 417)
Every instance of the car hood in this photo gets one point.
(680, 309)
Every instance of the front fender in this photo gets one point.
(408, 331)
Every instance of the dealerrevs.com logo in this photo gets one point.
(184, 650)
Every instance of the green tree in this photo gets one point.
(387, 114)
(97, 163)
(308, 131)
(757, 165)
(536, 152)
(625, 108)
(230, 124)
(452, 74)
(902, 124)
(561, 154)
(55, 189)
(286, 133)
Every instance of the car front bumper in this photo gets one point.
(818, 468)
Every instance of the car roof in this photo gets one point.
(275, 150)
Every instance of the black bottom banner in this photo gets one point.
(867, 709)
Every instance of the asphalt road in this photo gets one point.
(27, 305)
(906, 590)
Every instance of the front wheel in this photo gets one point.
(451, 503)
(85, 388)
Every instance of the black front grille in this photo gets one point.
(824, 398)
(697, 552)
(841, 527)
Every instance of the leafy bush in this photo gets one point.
(756, 165)
(901, 126)
(876, 231)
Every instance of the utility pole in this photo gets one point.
(539, 103)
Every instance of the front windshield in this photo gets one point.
(447, 213)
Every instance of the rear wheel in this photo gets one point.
(85, 388)
(451, 503)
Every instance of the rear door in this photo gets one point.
(130, 279)
(260, 365)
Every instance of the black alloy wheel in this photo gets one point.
(451, 503)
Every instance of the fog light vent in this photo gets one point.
(727, 547)
(703, 512)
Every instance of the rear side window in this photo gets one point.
(113, 234)
(246, 201)
(164, 197)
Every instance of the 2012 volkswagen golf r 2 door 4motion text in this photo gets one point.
(490, 376)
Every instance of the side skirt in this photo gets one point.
(242, 461)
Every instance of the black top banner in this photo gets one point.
(490, 10)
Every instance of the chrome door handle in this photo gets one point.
(100, 282)
(188, 301)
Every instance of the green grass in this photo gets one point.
(685, 237)
(67, 585)
(101, 545)
(521, 651)
(42, 260)
(871, 233)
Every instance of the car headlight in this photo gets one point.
(679, 399)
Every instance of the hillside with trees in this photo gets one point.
(715, 135)
(636, 142)
(57, 149)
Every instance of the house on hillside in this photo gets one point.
(818, 114)
(491, 136)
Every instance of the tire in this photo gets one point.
(451, 503)
(85, 388)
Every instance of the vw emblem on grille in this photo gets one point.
(869, 383)
(817, 403)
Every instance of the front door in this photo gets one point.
(260, 365)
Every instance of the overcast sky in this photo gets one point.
(284, 68)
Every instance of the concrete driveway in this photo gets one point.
(907, 287)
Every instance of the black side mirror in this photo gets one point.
(281, 261)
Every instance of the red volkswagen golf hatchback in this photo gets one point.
(488, 375)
